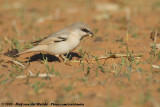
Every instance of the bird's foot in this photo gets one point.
(65, 60)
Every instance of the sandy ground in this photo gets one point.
(120, 27)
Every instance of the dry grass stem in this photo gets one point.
(119, 55)
(15, 62)
(156, 45)
(155, 66)
(40, 75)
(15, 28)
(155, 36)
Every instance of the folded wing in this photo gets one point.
(54, 38)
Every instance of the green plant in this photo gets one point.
(88, 70)
(144, 98)
(1, 49)
(110, 102)
(82, 57)
(154, 55)
(37, 86)
(51, 71)
(68, 88)
(15, 44)
(45, 59)
(99, 66)
(4, 81)
(135, 35)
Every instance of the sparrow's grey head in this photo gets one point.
(82, 29)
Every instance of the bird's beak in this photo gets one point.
(91, 34)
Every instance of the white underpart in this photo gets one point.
(63, 47)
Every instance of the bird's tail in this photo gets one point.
(38, 48)
(27, 51)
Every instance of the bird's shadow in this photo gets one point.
(51, 58)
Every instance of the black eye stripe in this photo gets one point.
(85, 30)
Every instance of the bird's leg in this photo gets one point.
(65, 59)
(61, 59)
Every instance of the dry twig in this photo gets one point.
(119, 55)
(40, 75)
(156, 45)
(15, 62)
(155, 66)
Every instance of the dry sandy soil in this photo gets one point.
(120, 27)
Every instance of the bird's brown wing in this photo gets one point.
(38, 41)
(54, 38)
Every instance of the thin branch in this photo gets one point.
(155, 66)
(119, 55)
(15, 28)
(156, 45)
(16, 62)
(155, 37)
(40, 75)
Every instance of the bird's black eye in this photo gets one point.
(85, 30)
